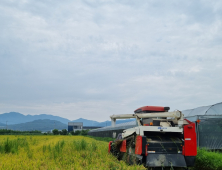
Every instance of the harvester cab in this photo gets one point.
(161, 139)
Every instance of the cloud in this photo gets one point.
(105, 57)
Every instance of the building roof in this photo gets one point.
(75, 123)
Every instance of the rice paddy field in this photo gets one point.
(57, 152)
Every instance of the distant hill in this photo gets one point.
(108, 123)
(2, 125)
(95, 123)
(42, 125)
(86, 122)
(17, 118)
(45, 125)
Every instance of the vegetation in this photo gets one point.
(64, 132)
(55, 132)
(16, 132)
(75, 152)
(82, 132)
(105, 139)
(57, 152)
(208, 160)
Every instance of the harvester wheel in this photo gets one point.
(166, 168)
(129, 156)
(115, 150)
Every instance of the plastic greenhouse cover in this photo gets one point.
(215, 109)
(204, 110)
(187, 112)
(192, 118)
(197, 111)
(118, 126)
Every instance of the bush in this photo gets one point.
(64, 132)
(55, 132)
(84, 132)
(78, 132)
(208, 160)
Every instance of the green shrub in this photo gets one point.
(64, 132)
(78, 132)
(55, 132)
(208, 160)
(84, 132)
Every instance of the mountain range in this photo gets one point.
(16, 118)
(44, 122)
(43, 125)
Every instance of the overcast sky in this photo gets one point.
(94, 58)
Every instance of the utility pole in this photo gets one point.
(54, 124)
(6, 125)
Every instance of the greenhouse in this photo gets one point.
(208, 125)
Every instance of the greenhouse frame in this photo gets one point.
(209, 128)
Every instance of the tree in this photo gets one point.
(84, 132)
(78, 132)
(55, 132)
(64, 132)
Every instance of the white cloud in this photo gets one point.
(86, 56)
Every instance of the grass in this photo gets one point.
(80, 145)
(57, 152)
(11, 146)
(208, 160)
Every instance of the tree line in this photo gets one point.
(65, 132)
(37, 132)
(17, 132)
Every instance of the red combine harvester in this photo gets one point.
(161, 140)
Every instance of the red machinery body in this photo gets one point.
(151, 109)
